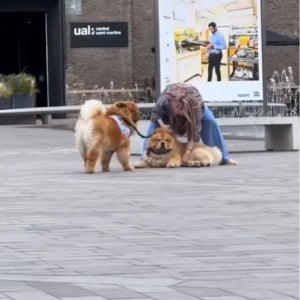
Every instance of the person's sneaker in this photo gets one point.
(229, 162)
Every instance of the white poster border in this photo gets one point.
(168, 59)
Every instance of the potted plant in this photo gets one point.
(5, 95)
(24, 89)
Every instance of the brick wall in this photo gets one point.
(100, 66)
(143, 33)
(282, 17)
(124, 66)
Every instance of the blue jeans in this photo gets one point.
(210, 133)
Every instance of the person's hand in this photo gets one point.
(162, 124)
(210, 46)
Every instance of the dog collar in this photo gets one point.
(125, 130)
(151, 151)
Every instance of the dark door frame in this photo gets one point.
(55, 45)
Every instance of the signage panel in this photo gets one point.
(101, 34)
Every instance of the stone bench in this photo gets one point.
(45, 113)
(281, 133)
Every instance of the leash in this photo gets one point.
(138, 132)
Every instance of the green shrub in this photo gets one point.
(22, 84)
(5, 90)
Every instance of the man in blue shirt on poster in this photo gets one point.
(215, 47)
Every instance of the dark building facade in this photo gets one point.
(63, 60)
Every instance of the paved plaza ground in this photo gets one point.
(221, 233)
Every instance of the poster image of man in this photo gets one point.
(221, 37)
(215, 51)
(214, 45)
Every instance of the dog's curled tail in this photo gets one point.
(217, 155)
(92, 108)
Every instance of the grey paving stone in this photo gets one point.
(117, 293)
(149, 288)
(288, 290)
(225, 298)
(159, 234)
(280, 297)
(135, 298)
(100, 286)
(255, 293)
(174, 295)
(35, 295)
(203, 292)
(2, 296)
(14, 286)
(59, 289)
(84, 298)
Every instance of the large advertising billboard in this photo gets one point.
(215, 45)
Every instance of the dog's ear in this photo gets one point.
(121, 104)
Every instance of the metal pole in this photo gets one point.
(264, 64)
(157, 50)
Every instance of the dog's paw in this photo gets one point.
(129, 168)
(172, 164)
(90, 171)
(193, 163)
(140, 164)
(206, 163)
(158, 163)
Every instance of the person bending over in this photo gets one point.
(181, 107)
